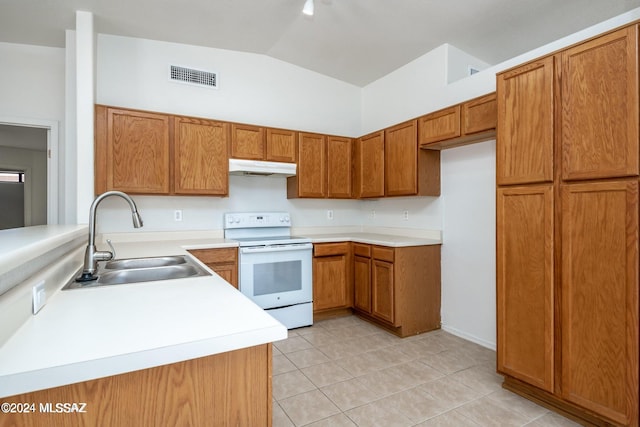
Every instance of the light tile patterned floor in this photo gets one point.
(347, 372)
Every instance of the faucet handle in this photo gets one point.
(113, 250)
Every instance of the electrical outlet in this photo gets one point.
(373, 214)
(39, 294)
(330, 214)
(405, 215)
(177, 215)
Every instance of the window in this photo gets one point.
(11, 176)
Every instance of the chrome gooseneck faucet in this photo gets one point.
(91, 255)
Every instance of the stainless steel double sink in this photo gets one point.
(135, 270)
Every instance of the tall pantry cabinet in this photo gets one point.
(567, 229)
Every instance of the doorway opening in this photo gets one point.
(12, 198)
(28, 172)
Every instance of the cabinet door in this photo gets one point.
(201, 157)
(281, 145)
(524, 149)
(525, 278)
(137, 152)
(382, 291)
(479, 115)
(362, 283)
(228, 272)
(331, 282)
(600, 107)
(339, 167)
(401, 159)
(600, 298)
(312, 166)
(441, 125)
(223, 261)
(247, 142)
(370, 165)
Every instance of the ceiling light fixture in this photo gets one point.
(308, 8)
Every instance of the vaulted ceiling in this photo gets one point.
(357, 41)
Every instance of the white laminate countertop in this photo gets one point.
(395, 241)
(83, 334)
(20, 245)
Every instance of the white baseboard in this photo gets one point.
(469, 337)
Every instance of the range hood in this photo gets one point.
(260, 168)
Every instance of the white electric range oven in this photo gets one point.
(274, 267)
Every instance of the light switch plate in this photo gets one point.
(39, 296)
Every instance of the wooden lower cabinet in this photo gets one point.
(525, 284)
(600, 298)
(332, 277)
(568, 337)
(227, 389)
(398, 288)
(223, 261)
(362, 277)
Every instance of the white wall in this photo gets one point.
(469, 233)
(84, 113)
(252, 89)
(32, 82)
(205, 213)
(459, 64)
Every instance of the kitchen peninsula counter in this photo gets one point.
(85, 334)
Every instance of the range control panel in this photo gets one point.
(256, 219)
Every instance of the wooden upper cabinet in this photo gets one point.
(339, 167)
(524, 149)
(600, 107)
(258, 143)
(600, 298)
(281, 145)
(401, 159)
(247, 142)
(311, 178)
(467, 123)
(441, 125)
(132, 151)
(479, 115)
(525, 284)
(201, 157)
(370, 165)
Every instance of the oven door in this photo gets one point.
(276, 275)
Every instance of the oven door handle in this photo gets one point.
(276, 248)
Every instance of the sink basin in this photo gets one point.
(136, 270)
(132, 275)
(145, 262)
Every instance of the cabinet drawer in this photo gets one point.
(362, 250)
(328, 249)
(382, 253)
(210, 256)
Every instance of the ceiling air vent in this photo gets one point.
(193, 77)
